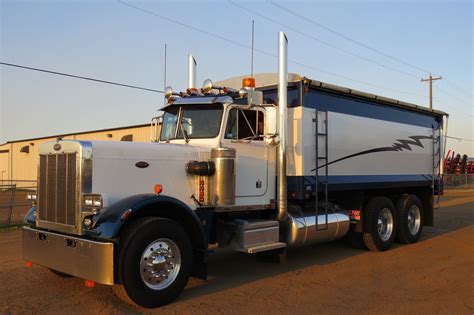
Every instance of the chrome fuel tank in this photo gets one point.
(300, 227)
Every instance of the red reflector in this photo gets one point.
(28, 264)
(354, 214)
(89, 283)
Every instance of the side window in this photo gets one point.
(245, 125)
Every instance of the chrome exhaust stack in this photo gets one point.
(191, 72)
(282, 122)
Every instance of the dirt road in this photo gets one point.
(432, 276)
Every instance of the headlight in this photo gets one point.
(92, 200)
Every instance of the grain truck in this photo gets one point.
(253, 164)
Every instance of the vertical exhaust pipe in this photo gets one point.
(191, 72)
(282, 122)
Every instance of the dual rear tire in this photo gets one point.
(384, 222)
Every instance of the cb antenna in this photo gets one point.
(251, 60)
(164, 74)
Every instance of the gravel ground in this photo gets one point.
(434, 276)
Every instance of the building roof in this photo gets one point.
(76, 133)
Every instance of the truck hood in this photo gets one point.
(121, 169)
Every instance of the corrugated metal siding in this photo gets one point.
(23, 166)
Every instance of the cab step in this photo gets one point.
(266, 247)
(250, 236)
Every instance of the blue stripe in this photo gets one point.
(326, 101)
(302, 184)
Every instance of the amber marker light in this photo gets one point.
(248, 83)
(89, 283)
(29, 264)
(158, 189)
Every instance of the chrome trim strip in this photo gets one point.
(244, 208)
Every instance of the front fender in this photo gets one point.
(109, 223)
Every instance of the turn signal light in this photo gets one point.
(89, 283)
(158, 189)
(29, 264)
(248, 83)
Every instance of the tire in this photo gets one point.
(159, 240)
(379, 210)
(60, 274)
(410, 219)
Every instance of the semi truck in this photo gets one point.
(253, 164)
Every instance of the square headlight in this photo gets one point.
(92, 200)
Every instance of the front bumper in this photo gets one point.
(72, 255)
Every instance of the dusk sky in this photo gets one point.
(109, 40)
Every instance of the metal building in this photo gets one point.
(18, 159)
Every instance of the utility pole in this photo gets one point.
(431, 79)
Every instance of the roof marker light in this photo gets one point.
(168, 92)
(207, 86)
(158, 189)
(243, 93)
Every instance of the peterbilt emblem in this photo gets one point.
(57, 147)
(142, 164)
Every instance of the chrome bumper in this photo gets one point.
(75, 256)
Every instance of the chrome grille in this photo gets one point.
(57, 189)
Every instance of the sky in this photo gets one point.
(112, 41)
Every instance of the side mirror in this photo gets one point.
(271, 118)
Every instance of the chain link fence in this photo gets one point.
(461, 181)
(13, 200)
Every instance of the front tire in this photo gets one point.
(154, 263)
(379, 224)
(410, 219)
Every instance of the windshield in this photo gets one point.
(197, 121)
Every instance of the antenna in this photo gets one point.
(164, 74)
(251, 61)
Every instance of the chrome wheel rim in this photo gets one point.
(160, 264)
(385, 224)
(414, 219)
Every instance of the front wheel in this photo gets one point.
(379, 224)
(154, 263)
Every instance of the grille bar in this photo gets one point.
(57, 188)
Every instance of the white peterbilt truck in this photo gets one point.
(285, 162)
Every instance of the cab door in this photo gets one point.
(244, 132)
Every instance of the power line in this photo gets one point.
(259, 50)
(457, 87)
(322, 41)
(460, 139)
(79, 77)
(455, 96)
(347, 37)
(452, 84)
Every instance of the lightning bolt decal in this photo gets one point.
(400, 145)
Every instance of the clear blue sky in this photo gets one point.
(108, 40)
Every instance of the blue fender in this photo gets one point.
(30, 218)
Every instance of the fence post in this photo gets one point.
(11, 205)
